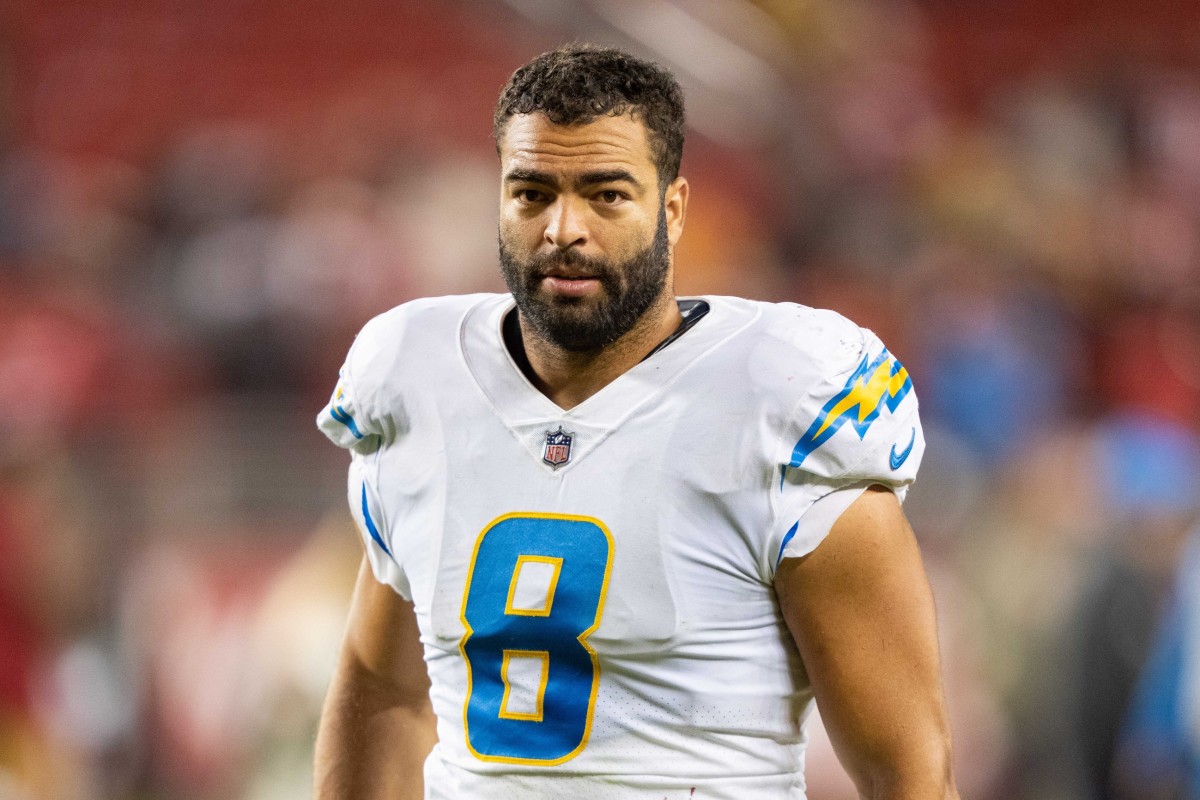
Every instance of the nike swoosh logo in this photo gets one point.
(896, 459)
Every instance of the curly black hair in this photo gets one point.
(578, 82)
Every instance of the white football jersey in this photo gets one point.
(594, 586)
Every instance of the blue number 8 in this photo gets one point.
(576, 556)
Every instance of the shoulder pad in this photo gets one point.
(859, 420)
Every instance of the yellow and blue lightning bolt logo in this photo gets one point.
(876, 383)
(341, 415)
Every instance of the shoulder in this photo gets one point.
(837, 395)
(820, 341)
(408, 330)
(400, 349)
(790, 350)
(427, 316)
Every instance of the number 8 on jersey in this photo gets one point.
(535, 592)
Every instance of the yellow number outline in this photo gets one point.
(582, 638)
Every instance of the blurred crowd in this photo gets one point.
(200, 206)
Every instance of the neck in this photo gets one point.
(569, 377)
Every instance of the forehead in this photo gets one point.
(607, 142)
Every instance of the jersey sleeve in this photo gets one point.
(367, 510)
(345, 418)
(359, 418)
(364, 410)
(858, 426)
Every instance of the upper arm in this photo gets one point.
(383, 641)
(377, 725)
(861, 612)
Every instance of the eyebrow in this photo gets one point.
(519, 175)
(529, 176)
(608, 176)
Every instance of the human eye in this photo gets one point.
(530, 196)
(610, 197)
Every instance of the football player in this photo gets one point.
(617, 541)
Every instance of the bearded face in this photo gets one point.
(587, 323)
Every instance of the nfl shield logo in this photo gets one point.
(558, 447)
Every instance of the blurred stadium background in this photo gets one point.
(200, 203)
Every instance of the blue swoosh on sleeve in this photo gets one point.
(897, 459)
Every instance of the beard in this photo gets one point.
(578, 324)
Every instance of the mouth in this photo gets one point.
(567, 273)
(570, 285)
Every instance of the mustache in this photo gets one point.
(601, 269)
(539, 266)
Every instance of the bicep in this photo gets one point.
(377, 725)
(383, 641)
(861, 612)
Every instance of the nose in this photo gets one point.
(566, 227)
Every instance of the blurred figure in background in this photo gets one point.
(1158, 753)
(1148, 470)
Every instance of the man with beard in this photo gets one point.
(617, 542)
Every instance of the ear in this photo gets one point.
(675, 201)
